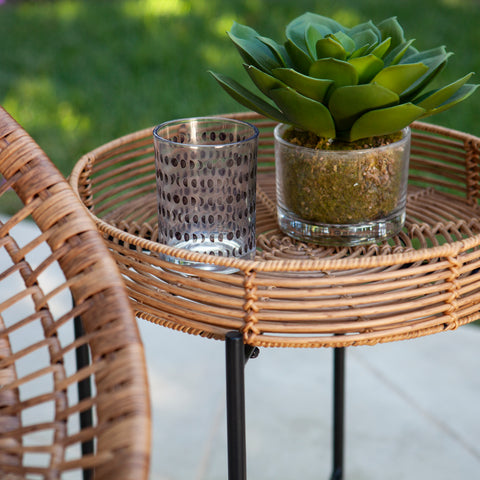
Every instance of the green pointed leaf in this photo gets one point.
(411, 50)
(248, 99)
(365, 27)
(461, 94)
(396, 54)
(384, 121)
(301, 60)
(360, 51)
(304, 112)
(425, 55)
(346, 104)
(381, 49)
(435, 66)
(365, 33)
(399, 78)
(297, 38)
(262, 80)
(434, 98)
(278, 51)
(295, 32)
(342, 73)
(314, 88)
(328, 47)
(297, 27)
(345, 41)
(312, 36)
(367, 37)
(367, 67)
(390, 27)
(252, 50)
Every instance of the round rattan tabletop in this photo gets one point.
(423, 281)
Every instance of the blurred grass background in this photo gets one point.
(78, 73)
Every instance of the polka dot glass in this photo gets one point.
(206, 183)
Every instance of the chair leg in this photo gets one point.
(338, 412)
(236, 355)
(84, 391)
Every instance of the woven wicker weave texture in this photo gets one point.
(40, 435)
(425, 280)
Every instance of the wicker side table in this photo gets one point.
(424, 281)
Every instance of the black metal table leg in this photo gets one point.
(338, 412)
(237, 354)
(84, 391)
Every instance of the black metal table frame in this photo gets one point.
(236, 356)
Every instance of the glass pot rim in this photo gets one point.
(281, 127)
(214, 119)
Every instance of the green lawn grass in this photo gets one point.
(77, 73)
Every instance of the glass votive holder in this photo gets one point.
(206, 186)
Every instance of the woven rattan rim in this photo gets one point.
(278, 288)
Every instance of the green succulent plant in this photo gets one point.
(342, 83)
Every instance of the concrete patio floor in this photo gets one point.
(412, 409)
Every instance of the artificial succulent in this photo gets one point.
(342, 83)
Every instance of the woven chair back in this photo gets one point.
(56, 274)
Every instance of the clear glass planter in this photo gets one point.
(342, 197)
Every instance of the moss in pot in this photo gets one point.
(344, 97)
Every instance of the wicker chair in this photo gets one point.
(53, 273)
